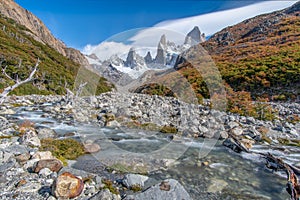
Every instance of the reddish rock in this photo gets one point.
(67, 186)
(90, 147)
(165, 186)
(53, 164)
(22, 158)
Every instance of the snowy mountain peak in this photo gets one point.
(148, 58)
(194, 37)
(128, 61)
(134, 60)
(163, 41)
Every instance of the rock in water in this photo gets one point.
(105, 195)
(67, 186)
(168, 189)
(90, 147)
(217, 186)
(53, 164)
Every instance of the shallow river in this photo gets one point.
(221, 174)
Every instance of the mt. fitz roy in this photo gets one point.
(135, 63)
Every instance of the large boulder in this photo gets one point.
(30, 138)
(53, 164)
(46, 133)
(168, 189)
(67, 186)
(134, 180)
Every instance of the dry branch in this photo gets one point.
(17, 81)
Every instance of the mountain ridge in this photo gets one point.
(39, 31)
(19, 51)
(261, 54)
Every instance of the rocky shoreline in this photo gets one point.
(28, 173)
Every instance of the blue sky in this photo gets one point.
(82, 22)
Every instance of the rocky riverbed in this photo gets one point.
(151, 135)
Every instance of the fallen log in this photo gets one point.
(275, 164)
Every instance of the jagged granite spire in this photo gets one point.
(194, 37)
(148, 58)
(133, 60)
(161, 54)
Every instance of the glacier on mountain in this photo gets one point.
(134, 60)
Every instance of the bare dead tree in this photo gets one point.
(79, 89)
(16, 80)
(70, 95)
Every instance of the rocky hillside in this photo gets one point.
(259, 55)
(38, 30)
(20, 49)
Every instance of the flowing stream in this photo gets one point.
(222, 174)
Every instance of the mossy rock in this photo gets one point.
(136, 188)
(108, 184)
(168, 129)
(289, 142)
(266, 139)
(109, 117)
(66, 149)
(124, 168)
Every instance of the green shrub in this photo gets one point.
(168, 129)
(108, 184)
(65, 149)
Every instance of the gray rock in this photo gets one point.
(105, 195)
(30, 138)
(232, 125)
(76, 172)
(210, 134)
(134, 179)
(3, 123)
(113, 123)
(237, 131)
(17, 149)
(250, 120)
(46, 133)
(51, 198)
(5, 156)
(230, 143)
(31, 187)
(7, 112)
(216, 185)
(7, 166)
(91, 147)
(45, 172)
(168, 189)
(223, 135)
(203, 129)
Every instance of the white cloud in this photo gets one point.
(212, 22)
(175, 30)
(150, 37)
(106, 49)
